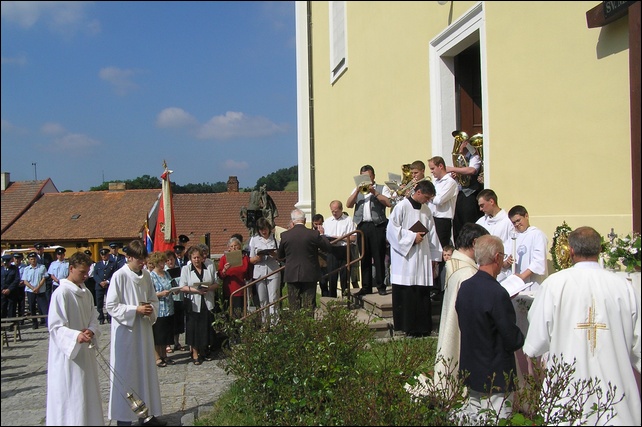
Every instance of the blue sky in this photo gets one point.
(95, 91)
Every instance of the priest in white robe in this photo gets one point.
(132, 341)
(590, 315)
(460, 267)
(413, 259)
(73, 388)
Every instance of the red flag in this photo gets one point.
(165, 233)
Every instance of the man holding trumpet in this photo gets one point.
(370, 201)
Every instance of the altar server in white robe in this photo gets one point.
(460, 267)
(531, 247)
(496, 221)
(132, 341)
(413, 261)
(73, 388)
(591, 315)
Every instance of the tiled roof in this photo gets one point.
(19, 196)
(219, 215)
(109, 215)
(120, 216)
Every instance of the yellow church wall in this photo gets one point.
(557, 131)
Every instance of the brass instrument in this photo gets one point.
(459, 159)
(364, 188)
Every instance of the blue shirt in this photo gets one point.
(34, 275)
(60, 269)
(163, 283)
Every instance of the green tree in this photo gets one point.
(277, 181)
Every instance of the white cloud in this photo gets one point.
(8, 127)
(174, 117)
(238, 125)
(73, 142)
(51, 128)
(234, 165)
(119, 78)
(16, 60)
(60, 16)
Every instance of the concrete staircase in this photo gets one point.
(376, 311)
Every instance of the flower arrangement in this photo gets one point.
(625, 251)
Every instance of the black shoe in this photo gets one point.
(382, 291)
(153, 421)
(363, 292)
(35, 326)
(102, 322)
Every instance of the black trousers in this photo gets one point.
(466, 210)
(100, 302)
(337, 259)
(374, 254)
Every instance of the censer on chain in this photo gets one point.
(137, 405)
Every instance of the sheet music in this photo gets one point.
(235, 258)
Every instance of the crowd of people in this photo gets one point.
(427, 246)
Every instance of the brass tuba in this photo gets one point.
(459, 159)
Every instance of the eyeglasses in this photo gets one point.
(504, 256)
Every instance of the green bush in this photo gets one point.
(331, 371)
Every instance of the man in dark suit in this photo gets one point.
(116, 256)
(300, 249)
(489, 333)
(103, 270)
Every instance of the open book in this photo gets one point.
(174, 272)
(200, 285)
(513, 284)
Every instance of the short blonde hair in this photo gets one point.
(157, 258)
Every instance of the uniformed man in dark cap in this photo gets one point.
(59, 269)
(9, 281)
(46, 260)
(18, 258)
(116, 256)
(103, 270)
(90, 283)
(34, 276)
(179, 249)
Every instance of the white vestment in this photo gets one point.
(73, 388)
(590, 314)
(531, 248)
(459, 268)
(132, 354)
(411, 264)
(500, 226)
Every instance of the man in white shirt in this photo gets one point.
(442, 205)
(496, 221)
(336, 226)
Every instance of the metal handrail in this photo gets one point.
(258, 310)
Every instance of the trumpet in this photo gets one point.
(364, 188)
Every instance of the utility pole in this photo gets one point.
(35, 172)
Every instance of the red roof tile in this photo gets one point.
(219, 215)
(59, 218)
(19, 196)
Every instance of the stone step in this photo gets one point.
(376, 311)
